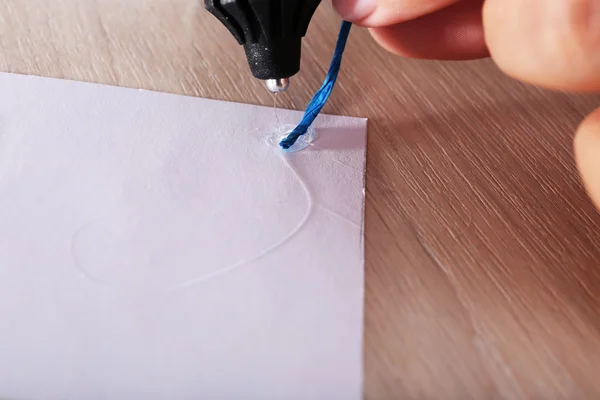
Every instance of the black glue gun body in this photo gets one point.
(271, 32)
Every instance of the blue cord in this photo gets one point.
(320, 98)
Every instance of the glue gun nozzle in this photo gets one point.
(278, 85)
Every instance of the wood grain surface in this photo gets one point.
(483, 251)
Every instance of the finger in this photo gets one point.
(454, 33)
(587, 154)
(551, 43)
(376, 13)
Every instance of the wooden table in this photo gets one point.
(483, 251)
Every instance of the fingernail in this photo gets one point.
(355, 10)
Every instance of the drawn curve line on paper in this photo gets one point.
(296, 230)
(209, 276)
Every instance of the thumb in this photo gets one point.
(587, 155)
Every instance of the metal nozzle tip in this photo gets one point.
(278, 85)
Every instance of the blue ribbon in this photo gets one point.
(320, 98)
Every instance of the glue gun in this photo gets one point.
(271, 32)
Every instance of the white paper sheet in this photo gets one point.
(154, 246)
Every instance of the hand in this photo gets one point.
(550, 43)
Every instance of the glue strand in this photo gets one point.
(275, 109)
(320, 98)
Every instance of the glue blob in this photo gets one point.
(281, 132)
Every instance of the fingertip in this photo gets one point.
(379, 13)
(355, 11)
(454, 33)
(458, 45)
(587, 155)
(553, 44)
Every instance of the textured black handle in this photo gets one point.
(271, 32)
